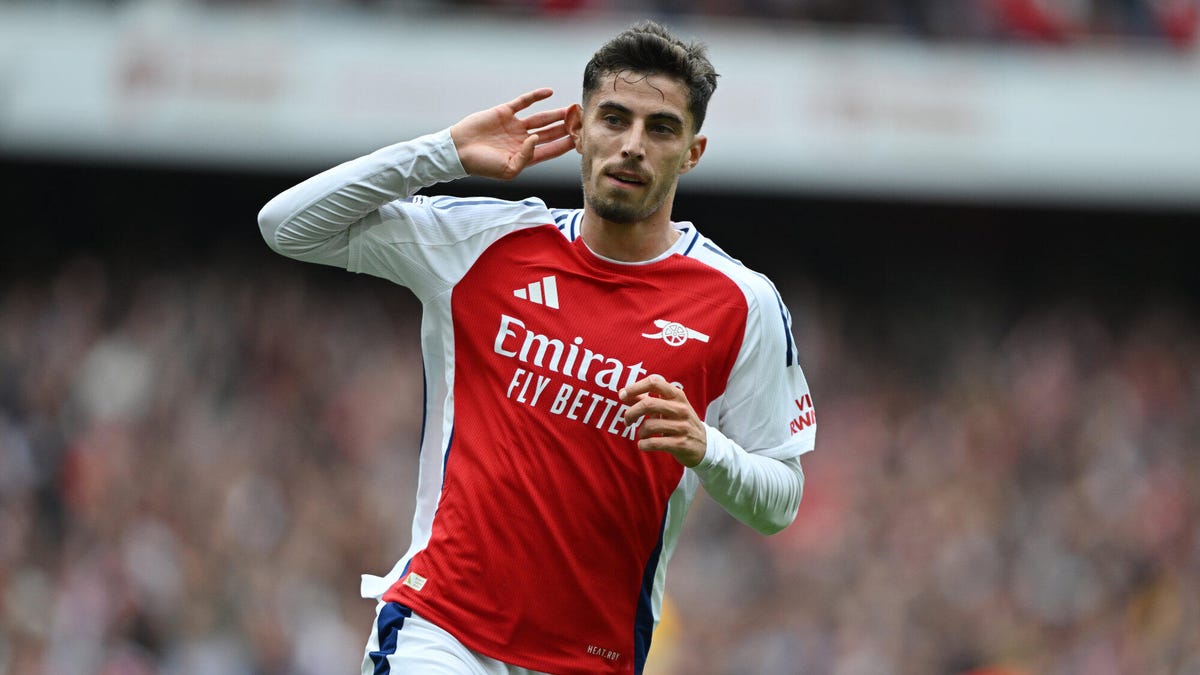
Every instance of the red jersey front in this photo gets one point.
(540, 460)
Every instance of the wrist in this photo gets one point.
(713, 450)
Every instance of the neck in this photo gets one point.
(627, 242)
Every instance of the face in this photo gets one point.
(635, 135)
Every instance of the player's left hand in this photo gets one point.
(669, 424)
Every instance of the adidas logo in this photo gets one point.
(544, 292)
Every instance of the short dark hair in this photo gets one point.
(648, 48)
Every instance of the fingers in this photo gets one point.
(655, 397)
(529, 98)
(550, 133)
(557, 148)
(538, 120)
(552, 142)
(656, 427)
(650, 408)
(656, 385)
(534, 150)
(545, 118)
(665, 419)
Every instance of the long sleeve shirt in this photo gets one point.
(542, 533)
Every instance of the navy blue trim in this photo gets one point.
(391, 620)
(446, 457)
(695, 238)
(787, 331)
(455, 203)
(643, 622)
(424, 407)
(787, 324)
(560, 218)
(783, 313)
(575, 226)
(721, 253)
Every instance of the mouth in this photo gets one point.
(627, 178)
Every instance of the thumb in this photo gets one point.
(523, 157)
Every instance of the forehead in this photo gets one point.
(643, 94)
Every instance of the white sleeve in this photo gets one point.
(310, 221)
(766, 407)
(762, 492)
(361, 215)
(763, 422)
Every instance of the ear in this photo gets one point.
(574, 124)
(695, 151)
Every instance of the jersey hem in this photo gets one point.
(491, 650)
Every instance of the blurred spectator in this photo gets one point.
(1172, 23)
(181, 493)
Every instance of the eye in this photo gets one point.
(612, 120)
(663, 129)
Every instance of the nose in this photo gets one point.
(634, 146)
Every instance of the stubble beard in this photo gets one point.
(615, 211)
(611, 211)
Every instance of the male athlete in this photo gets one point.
(586, 370)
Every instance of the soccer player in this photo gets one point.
(586, 370)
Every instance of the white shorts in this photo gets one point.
(403, 643)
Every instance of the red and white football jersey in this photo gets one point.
(541, 532)
(541, 529)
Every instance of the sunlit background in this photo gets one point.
(980, 213)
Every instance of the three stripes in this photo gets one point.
(544, 292)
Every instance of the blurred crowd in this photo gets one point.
(1038, 21)
(1046, 22)
(196, 465)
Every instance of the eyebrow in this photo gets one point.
(662, 115)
